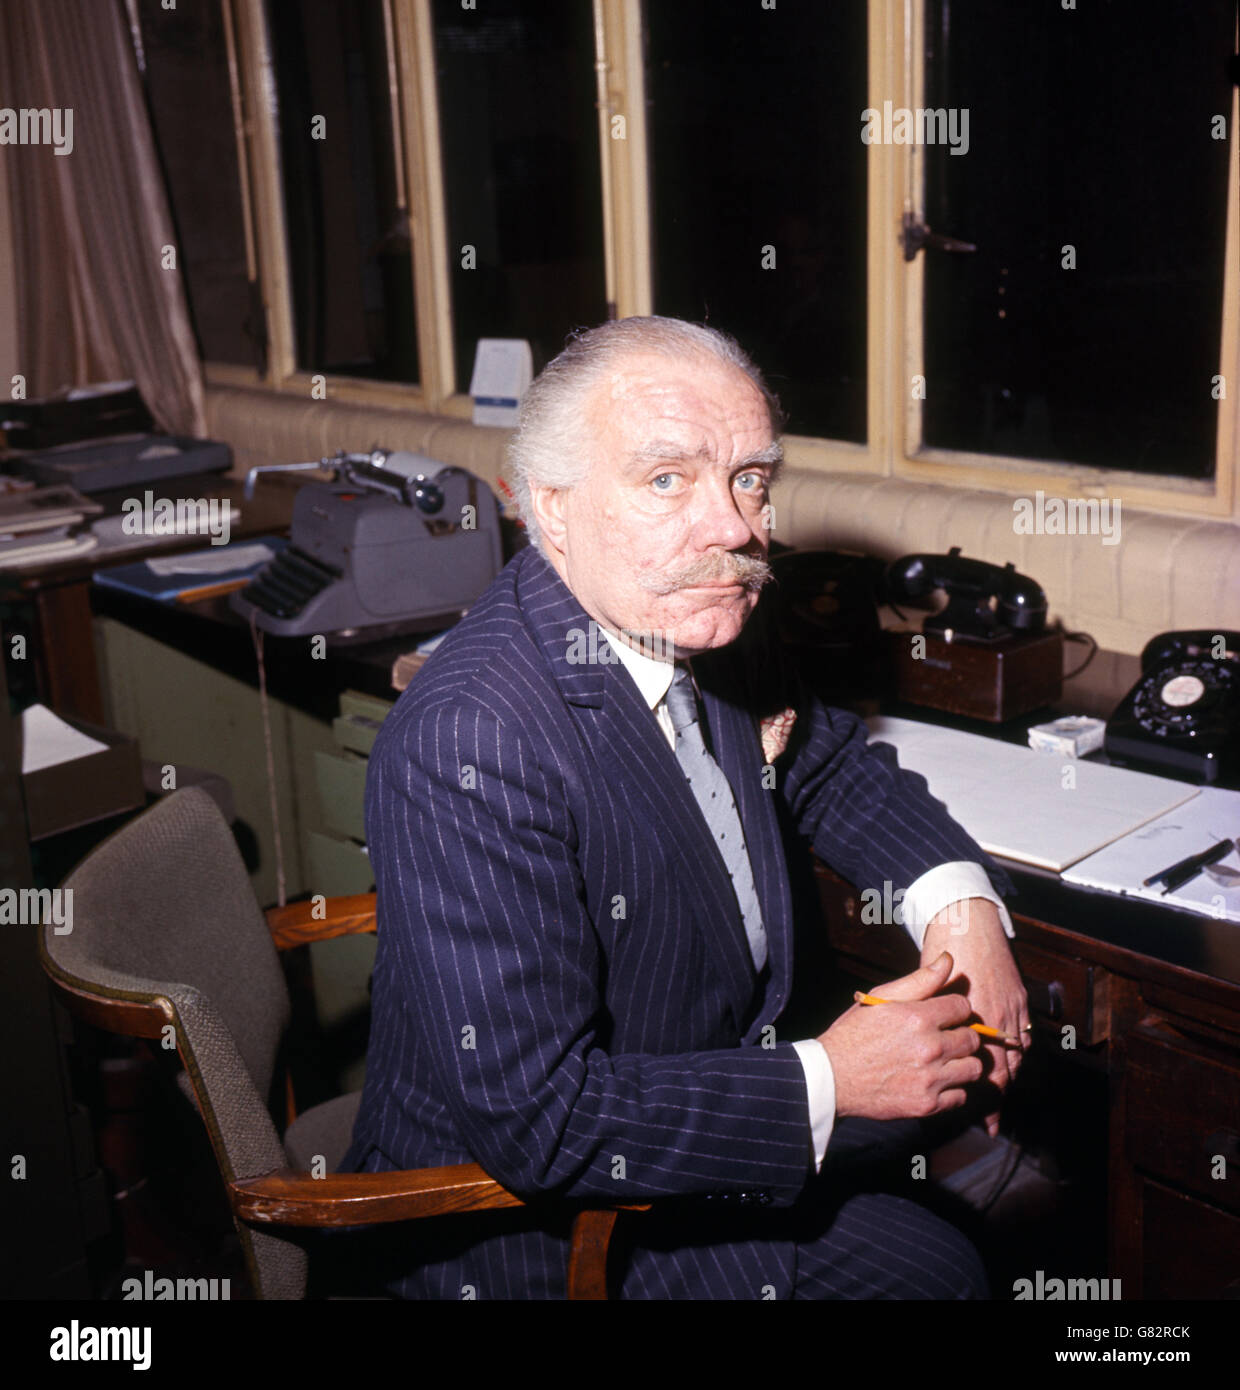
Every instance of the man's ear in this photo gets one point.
(549, 512)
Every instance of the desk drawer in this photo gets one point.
(1183, 1114)
(342, 792)
(359, 721)
(1065, 991)
(1188, 1249)
(887, 948)
(338, 867)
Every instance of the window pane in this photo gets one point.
(1097, 137)
(349, 251)
(191, 113)
(519, 132)
(756, 154)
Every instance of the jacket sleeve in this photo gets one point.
(485, 935)
(868, 818)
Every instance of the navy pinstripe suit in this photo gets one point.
(563, 991)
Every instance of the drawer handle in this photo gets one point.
(1220, 1142)
(1045, 997)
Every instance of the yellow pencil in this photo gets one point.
(210, 590)
(983, 1028)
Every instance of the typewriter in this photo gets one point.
(394, 539)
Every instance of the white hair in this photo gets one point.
(552, 447)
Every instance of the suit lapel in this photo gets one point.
(664, 806)
(639, 767)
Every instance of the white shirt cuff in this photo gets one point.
(820, 1082)
(942, 886)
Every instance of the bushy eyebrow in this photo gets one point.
(772, 456)
(669, 451)
(664, 450)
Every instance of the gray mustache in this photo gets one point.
(750, 570)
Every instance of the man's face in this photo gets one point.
(683, 455)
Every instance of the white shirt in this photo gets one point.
(936, 889)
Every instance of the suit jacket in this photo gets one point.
(563, 991)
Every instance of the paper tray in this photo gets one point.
(86, 789)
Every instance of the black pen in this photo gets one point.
(1188, 868)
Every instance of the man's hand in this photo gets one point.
(909, 1058)
(971, 931)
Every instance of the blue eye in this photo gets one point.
(667, 478)
(750, 482)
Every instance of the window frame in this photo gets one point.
(895, 288)
(1017, 476)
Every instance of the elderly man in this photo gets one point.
(575, 817)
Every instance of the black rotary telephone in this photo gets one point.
(1182, 718)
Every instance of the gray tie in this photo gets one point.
(714, 796)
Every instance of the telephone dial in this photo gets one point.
(1182, 718)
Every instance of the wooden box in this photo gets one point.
(994, 681)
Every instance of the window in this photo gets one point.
(1087, 325)
(520, 154)
(349, 243)
(758, 192)
(522, 167)
(184, 64)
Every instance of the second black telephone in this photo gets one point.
(985, 603)
(1182, 718)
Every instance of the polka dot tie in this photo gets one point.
(714, 796)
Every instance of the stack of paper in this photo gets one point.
(1212, 815)
(1098, 826)
(1034, 807)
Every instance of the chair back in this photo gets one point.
(164, 916)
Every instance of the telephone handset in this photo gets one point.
(1182, 718)
(985, 603)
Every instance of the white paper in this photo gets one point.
(47, 740)
(1212, 815)
(1022, 804)
(45, 551)
(218, 560)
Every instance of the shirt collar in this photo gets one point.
(652, 677)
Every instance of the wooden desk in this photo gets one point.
(65, 674)
(1150, 996)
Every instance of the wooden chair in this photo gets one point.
(168, 941)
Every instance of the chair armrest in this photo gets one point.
(296, 924)
(291, 1198)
